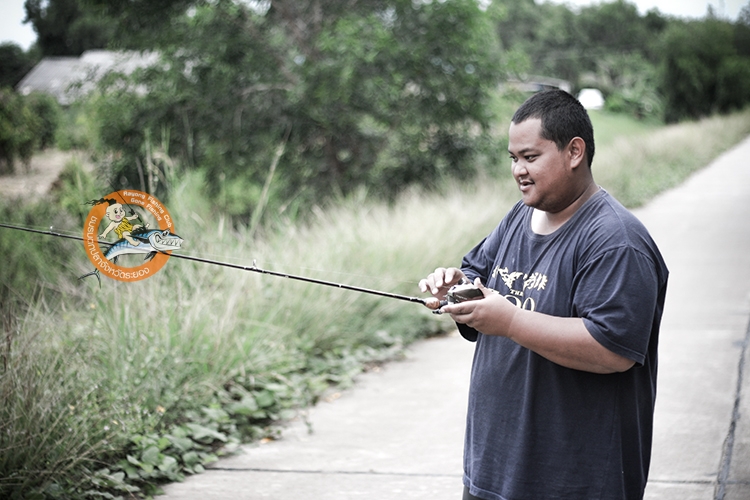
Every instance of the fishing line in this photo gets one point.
(237, 260)
(207, 255)
(429, 302)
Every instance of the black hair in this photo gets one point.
(563, 118)
(108, 201)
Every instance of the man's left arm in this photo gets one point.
(565, 341)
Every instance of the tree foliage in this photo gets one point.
(338, 94)
(647, 65)
(26, 124)
(283, 103)
(702, 72)
(606, 45)
(14, 64)
(68, 27)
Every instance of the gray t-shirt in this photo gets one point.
(535, 429)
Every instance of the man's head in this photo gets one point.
(562, 117)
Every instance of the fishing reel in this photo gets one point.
(460, 292)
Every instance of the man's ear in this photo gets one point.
(577, 151)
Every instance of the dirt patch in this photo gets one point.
(44, 169)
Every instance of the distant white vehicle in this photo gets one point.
(591, 98)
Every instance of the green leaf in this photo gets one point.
(163, 443)
(247, 406)
(168, 464)
(265, 399)
(131, 471)
(150, 456)
(216, 414)
(191, 458)
(201, 433)
(181, 444)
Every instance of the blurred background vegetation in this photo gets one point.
(332, 139)
(384, 94)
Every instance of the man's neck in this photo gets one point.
(547, 222)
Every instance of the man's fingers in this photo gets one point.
(440, 280)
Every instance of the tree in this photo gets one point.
(574, 46)
(14, 64)
(629, 83)
(19, 128)
(546, 34)
(696, 54)
(614, 27)
(68, 27)
(384, 94)
(742, 32)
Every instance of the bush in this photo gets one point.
(77, 128)
(46, 108)
(19, 130)
(26, 124)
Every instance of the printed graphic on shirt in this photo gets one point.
(144, 238)
(526, 282)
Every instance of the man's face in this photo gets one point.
(541, 171)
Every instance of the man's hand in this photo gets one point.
(441, 280)
(565, 341)
(491, 315)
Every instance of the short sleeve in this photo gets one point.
(616, 295)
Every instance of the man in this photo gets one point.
(563, 382)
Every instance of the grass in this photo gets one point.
(109, 392)
(609, 127)
(637, 167)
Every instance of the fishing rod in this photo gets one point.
(431, 303)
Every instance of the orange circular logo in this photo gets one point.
(129, 227)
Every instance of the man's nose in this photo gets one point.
(518, 168)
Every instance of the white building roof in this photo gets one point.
(67, 78)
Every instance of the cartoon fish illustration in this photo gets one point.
(150, 242)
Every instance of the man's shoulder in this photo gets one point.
(606, 213)
(608, 225)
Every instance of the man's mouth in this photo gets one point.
(524, 184)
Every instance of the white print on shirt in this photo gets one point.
(533, 281)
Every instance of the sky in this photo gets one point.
(12, 14)
(728, 9)
(12, 28)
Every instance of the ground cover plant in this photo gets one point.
(108, 392)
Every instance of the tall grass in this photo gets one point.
(204, 355)
(108, 391)
(637, 167)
